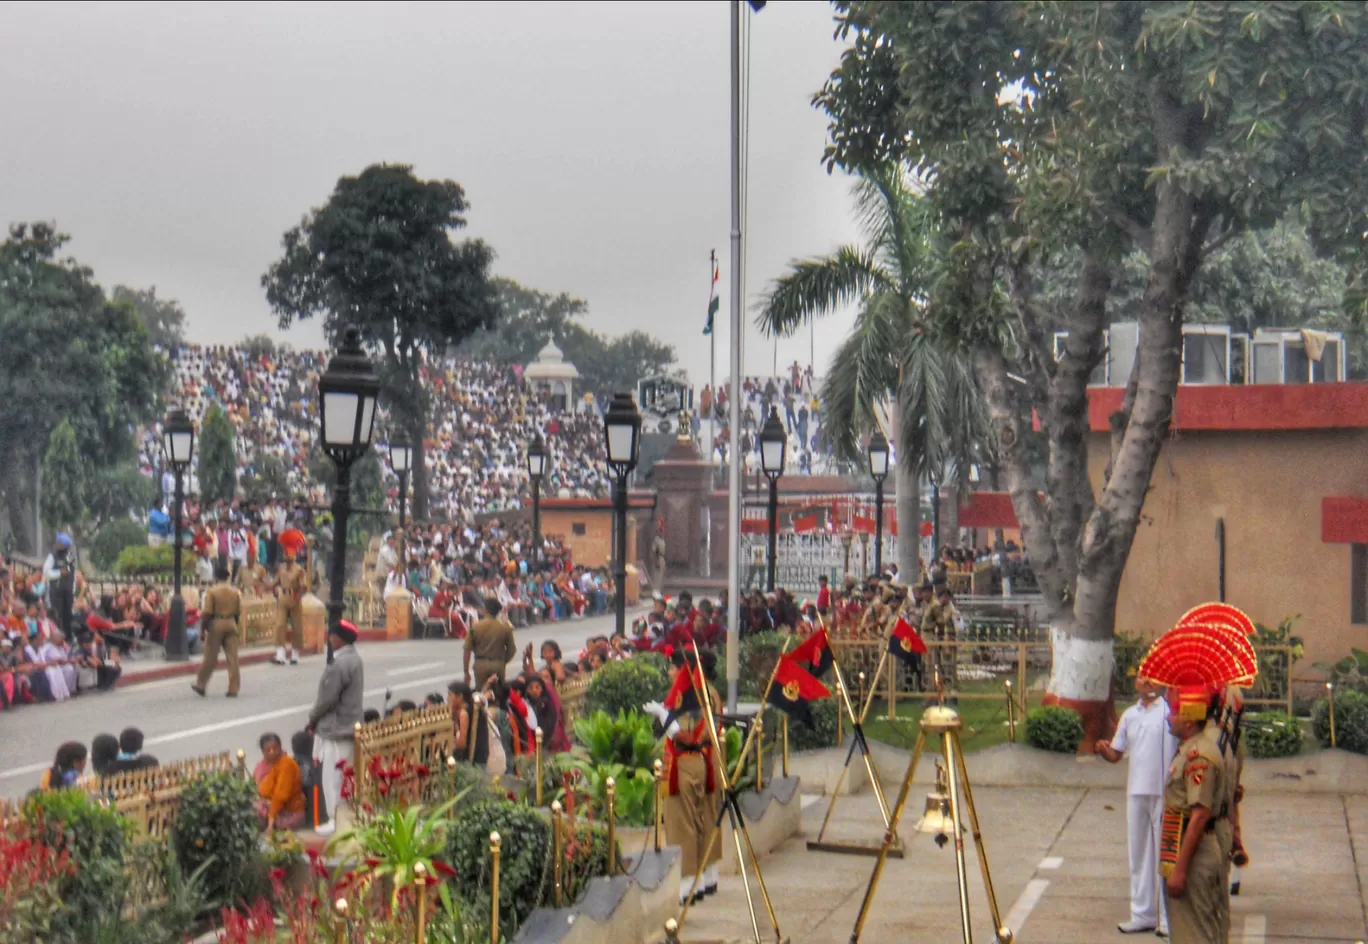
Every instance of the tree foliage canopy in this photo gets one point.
(529, 318)
(217, 457)
(164, 318)
(1100, 129)
(68, 355)
(380, 256)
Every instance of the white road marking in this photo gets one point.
(233, 723)
(415, 668)
(1050, 863)
(809, 799)
(1255, 929)
(132, 687)
(1030, 897)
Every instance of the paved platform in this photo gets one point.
(1058, 860)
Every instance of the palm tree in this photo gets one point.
(889, 364)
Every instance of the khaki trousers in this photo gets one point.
(290, 615)
(691, 815)
(225, 638)
(1202, 914)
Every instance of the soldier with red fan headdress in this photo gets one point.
(1198, 660)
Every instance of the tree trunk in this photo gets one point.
(38, 506)
(418, 474)
(907, 507)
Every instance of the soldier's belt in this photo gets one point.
(1172, 827)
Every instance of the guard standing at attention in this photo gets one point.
(693, 795)
(1198, 662)
(221, 616)
(291, 583)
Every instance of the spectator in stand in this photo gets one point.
(159, 529)
(280, 785)
(542, 698)
(515, 607)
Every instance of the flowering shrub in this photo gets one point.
(218, 820)
(402, 845)
(96, 841)
(31, 877)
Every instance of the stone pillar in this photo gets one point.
(398, 615)
(683, 482)
(315, 623)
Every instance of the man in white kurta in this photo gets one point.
(1143, 737)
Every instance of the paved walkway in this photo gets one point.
(1058, 859)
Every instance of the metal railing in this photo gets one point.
(150, 798)
(425, 738)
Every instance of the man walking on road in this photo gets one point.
(491, 645)
(222, 619)
(335, 714)
(1143, 735)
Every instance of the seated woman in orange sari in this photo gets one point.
(280, 785)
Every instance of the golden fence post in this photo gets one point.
(611, 790)
(494, 888)
(759, 754)
(783, 721)
(892, 689)
(341, 906)
(556, 854)
(1330, 703)
(539, 766)
(659, 801)
(1021, 675)
(1011, 713)
(420, 879)
(242, 763)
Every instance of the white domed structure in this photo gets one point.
(550, 374)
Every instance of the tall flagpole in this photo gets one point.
(734, 401)
(711, 418)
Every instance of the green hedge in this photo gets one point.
(524, 862)
(97, 839)
(1351, 721)
(1052, 728)
(1271, 734)
(141, 560)
(626, 686)
(110, 541)
(218, 820)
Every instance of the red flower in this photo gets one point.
(421, 770)
(372, 862)
(442, 869)
(277, 875)
(384, 789)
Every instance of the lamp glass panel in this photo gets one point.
(367, 421)
(339, 418)
(772, 456)
(621, 443)
(182, 442)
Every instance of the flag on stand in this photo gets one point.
(794, 690)
(904, 643)
(683, 696)
(713, 300)
(815, 652)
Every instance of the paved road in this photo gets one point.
(180, 724)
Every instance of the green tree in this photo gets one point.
(217, 459)
(380, 256)
(114, 493)
(68, 355)
(529, 318)
(267, 478)
(64, 475)
(259, 345)
(1099, 129)
(889, 359)
(164, 318)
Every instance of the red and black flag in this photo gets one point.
(904, 643)
(793, 690)
(683, 696)
(815, 653)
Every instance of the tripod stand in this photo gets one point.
(730, 810)
(858, 742)
(940, 721)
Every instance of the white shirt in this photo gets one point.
(1143, 736)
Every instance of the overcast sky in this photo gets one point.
(177, 142)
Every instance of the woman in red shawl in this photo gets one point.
(546, 703)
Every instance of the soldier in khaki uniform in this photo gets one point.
(1192, 859)
(291, 583)
(221, 617)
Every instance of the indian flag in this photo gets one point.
(712, 300)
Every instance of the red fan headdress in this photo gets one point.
(1203, 655)
(1220, 613)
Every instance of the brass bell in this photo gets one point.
(937, 819)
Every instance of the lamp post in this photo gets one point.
(846, 540)
(401, 461)
(347, 394)
(622, 430)
(178, 445)
(878, 469)
(773, 449)
(536, 468)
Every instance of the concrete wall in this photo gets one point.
(1268, 487)
(594, 548)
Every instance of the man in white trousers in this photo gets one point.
(335, 714)
(1143, 736)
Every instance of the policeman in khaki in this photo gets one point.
(292, 581)
(222, 618)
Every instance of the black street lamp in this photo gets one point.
(878, 469)
(773, 449)
(622, 430)
(178, 445)
(401, 460)
(536, 468)
(347, 394)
